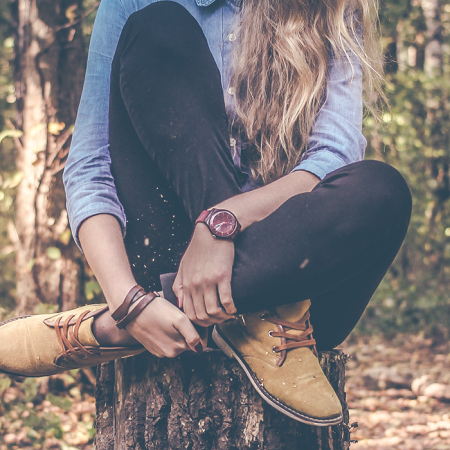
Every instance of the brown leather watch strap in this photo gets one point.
(148, 298)
(203, 216)
(134, 293)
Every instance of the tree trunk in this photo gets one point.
(202, 402)
(49, 72)
(433, 45)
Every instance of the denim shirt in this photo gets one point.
(336, 138)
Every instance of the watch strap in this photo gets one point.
(204, 215)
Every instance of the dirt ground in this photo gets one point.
(398, 393)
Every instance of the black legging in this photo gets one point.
(171, 160)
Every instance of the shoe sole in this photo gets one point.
(227, 347)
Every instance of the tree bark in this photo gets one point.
(49, 72)
(202, 402)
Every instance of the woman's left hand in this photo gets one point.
(203, 282)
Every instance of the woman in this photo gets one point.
(257, 206)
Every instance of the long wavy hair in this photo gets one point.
(280, 71)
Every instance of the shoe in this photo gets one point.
(46, 344)
(278, 354)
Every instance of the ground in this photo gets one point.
(398, 393)
(388, 413)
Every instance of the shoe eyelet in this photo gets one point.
(270, 333)
(263, 316)
(273, 349)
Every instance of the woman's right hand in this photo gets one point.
(165, 330)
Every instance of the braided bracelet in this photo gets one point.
(136, 294)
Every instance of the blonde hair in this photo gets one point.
(280, 71)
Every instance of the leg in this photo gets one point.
(332, 245)
(168, 135)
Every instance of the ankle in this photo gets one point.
(108, 335)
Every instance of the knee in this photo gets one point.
(163, 23)
(387, 193)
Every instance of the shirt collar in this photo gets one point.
(208, 2)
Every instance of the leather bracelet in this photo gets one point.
(121, 312)
(136, 311)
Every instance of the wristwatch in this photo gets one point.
(222, 223)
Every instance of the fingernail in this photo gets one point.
(199, 347)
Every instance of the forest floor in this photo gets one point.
(398, 393)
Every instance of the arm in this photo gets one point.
(203, 282)
(162, 328)
(96, 215)
(336, 140)
(87, 176)
(256, 205)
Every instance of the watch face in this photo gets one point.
(222, 223)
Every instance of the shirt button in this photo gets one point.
(231, 37)
(233, 142)
(231, 90)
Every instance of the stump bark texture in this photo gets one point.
(202, 402)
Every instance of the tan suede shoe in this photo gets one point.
(278, 355)
(45, 344)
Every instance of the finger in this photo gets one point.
(178, 287)
(185, 327)
(203, 319)
(176, 349)
(213, 307)
(198, 302)
(226, 297)
(188, 307)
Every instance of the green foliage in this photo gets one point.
(61, 402)
(7, 164)
(9, 176)
(415, 138)
(34, 416)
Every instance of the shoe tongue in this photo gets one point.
(293, 312)
(85, 335)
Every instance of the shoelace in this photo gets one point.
(290, 341)
(63, 332)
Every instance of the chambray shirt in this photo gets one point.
(336, 138)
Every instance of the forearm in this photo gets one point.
(256, 205)
(102, 243)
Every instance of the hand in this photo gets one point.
(164, 330)
(203, 282)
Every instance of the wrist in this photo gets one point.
(237, 205)
(222, 223)
(116, 293)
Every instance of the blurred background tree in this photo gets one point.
(42, 61)
(415, 137)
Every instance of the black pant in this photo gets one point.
(171, 160)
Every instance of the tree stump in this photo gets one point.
(202, 402)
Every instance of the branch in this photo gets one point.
(17, 141)
(80, 19)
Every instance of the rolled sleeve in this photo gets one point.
(91, 191)
(321, 163)
(88, 182)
